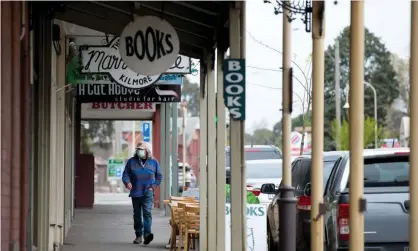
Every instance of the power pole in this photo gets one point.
(337, 91)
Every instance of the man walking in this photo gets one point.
(141, 176)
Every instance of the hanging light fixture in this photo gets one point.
(296, 8)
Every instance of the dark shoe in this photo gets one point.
(138, 240)
(148, 238)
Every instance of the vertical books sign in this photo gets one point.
(234, 87)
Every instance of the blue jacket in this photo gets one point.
(142, 175)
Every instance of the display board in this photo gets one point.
(256, 227)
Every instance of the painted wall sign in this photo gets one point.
(234, 87)
(106, 59)
(149, 45)
(108, 91)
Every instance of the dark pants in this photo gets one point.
(143, 213)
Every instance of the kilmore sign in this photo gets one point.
(167, 89)
(234, 87)
(149, 45)
(106, 59)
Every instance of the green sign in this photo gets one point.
(234, 87)
(115, 169)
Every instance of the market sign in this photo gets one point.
(115, 169)
(256, 227)
(149, 45)
(107, 60)
(167, 89)
(234, 87)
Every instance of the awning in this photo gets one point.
(198, 24)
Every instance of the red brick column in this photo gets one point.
(156, 148)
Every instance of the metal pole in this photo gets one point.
(413, 104)
(337, 91)
(287, 201)
(238, 172)
(375, 112)
(220, 155)
(162, 153)
(356, 130)
(133, 136)
(318, 67)
(166, 176)
(174, 151)
(184, 143)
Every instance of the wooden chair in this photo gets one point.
(192, 214)
(181, 207)
(174, 219)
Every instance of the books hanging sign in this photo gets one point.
(149, 45)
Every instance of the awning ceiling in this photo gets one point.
(198, 24)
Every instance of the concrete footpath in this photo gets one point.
(110, 227)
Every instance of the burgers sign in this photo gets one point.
(149, 45)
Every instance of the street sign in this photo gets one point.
(146, 131)
(115, 169)
(234, 87)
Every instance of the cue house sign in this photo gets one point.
(106, 59)
(149, 45)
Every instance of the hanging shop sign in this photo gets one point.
(149, 45)
(167, 89)
(107, 60)
(133, 106)
(117, 110)
(234, 87)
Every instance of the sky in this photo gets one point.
(387, 19)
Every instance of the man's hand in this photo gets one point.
(129, 186)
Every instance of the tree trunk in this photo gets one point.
(302, 144)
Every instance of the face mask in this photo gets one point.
(141, 153)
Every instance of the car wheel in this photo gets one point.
(270, 242)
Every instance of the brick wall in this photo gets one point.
(14, 125)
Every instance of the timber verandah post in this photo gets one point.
(318, 57)
(203, 189)
(413, 104)
(238, 237)
(356, 128)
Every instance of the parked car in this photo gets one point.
(258, 173)
(301, 181)
(256, 152)
(386, 190)
(189, 173)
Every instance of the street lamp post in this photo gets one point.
(347, 105)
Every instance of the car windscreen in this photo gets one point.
(328, 165)
(386, 171)
(264, 170)
(255, 155)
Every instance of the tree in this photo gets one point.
(191, 92)
(369, 130)
(99, 132)
(401, 67)
(378, 71)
